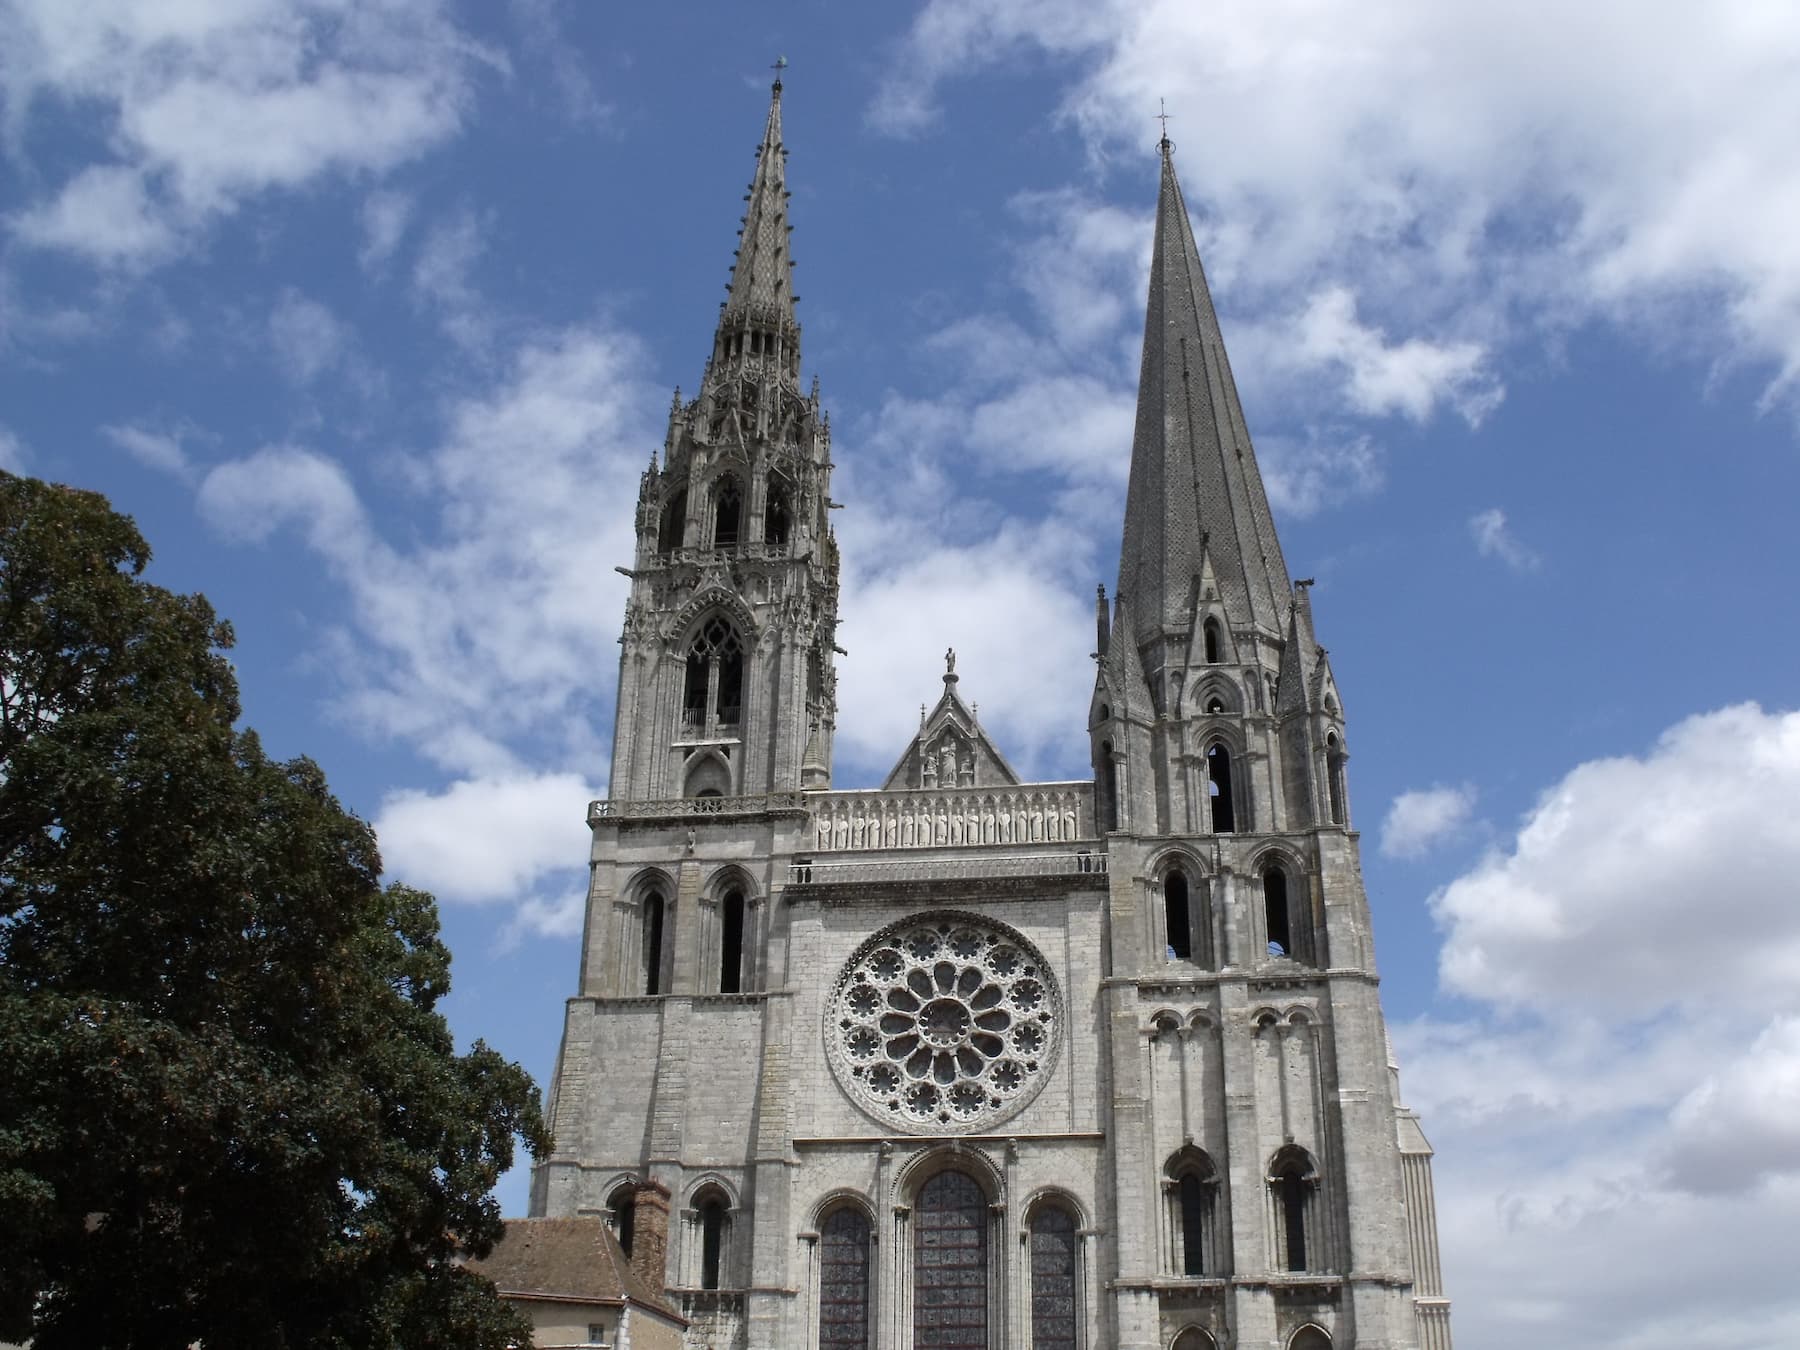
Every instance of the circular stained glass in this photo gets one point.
(943, 1022)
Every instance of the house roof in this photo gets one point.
(577, 1259)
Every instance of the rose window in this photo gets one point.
(943, 1021)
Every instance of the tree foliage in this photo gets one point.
(230, 1113)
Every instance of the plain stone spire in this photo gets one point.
(1195, 489)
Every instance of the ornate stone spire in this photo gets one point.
(761, 291)
(1195, 488)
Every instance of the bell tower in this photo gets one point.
(726, 679)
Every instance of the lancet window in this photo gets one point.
(1054, 1271)
(728, 512)
(1294, 1209)
(844, 1268)
(731, 942)
(651, 919)
(1191, 1185)
(950, 1264)
(1218, 790)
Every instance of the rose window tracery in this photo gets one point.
(943, 1022)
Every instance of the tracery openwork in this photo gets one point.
(944, 1021)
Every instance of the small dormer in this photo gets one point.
(951, 750)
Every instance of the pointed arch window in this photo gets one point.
(1310, 1337)
(1176, 918)
(728, 512)
(713, 693)
(713, 1222)
(844, 1267)
(1053, 1277)
(1109, 780)
(653, 942)
(1275, 912)
(731, 942)
(621, 1215)
(1218, 790)
(672, 532)
(1194, 1339)
(1294, 1210)
(1214, 639)
(1191, 1185)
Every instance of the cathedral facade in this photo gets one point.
(967, 1062)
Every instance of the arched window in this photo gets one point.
(1218, 790)
(1175, 916)
(653, 942)
(713, 694)
(1334, 776)
(621, 1213)
(728, 511)
(1053, 1271)
(1275, 912)
(775, 517)
(950, 1264)
(1309, 1337)
(731, 942)
(1191, 1182)
(1214, 639)
(1194, 1339)
(844, 1280)
(671, 535)
(1293, 1196)
(712, 1240)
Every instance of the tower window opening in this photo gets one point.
(713, 694)
(1293, 1186)
(775, 518)
(1193, 1220)
(1218, 789)
(1215, 705)
(727, 513)
(653, 942)
(731, 943)
(1213, 639)
(1192, 1194)
(1175, 916)
(672, 533)
(712, 1241)
(1275, 912)
(844, 1267)
(1334, 777)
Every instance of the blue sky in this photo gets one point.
(370, 314)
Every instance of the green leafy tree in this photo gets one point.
(230, 1114)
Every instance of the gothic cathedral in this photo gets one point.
(966, 1062)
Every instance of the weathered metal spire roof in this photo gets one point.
(1195, 487)
(762, 277)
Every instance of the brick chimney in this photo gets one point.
(650, 1234)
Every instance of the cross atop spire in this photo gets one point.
(1165, 144)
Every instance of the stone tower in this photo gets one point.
(967, 1062)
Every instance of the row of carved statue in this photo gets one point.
(925, 821)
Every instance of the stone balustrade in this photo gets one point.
(960, 867)
(696, 808)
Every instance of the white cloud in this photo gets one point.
(1410, 377)
(486, 840)
(442, 277)
(13, 457)
(385, 216)
(1685, 853)
(1481, 171)
(1629, 1082)
(483, 634)
(1304, 476)
(203, 107)
(1494, 539)
(159, 450)
(1423, 818)
(307, 337)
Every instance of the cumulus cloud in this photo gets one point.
(203, 108)
(489, 839)
(1539, 189)
(1411, 377)
(1423, 818)
(1630, 1078)
(1494, 539)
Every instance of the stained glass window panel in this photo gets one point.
(1052, 1279)
(844, 1281)
(950, 1265)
